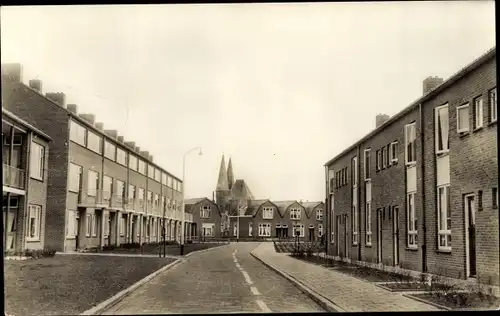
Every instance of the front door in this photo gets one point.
(10, 226)
(311, 234)
(395, 231)
(77, 233)
(337, 234)
(346, 236)
(470, 211)
(379, 236)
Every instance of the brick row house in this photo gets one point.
(102, 190)
(24, 186)
(420, 192)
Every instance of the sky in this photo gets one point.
(279, 88)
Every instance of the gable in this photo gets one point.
(276, 212)
(295, 205)
(213, 207)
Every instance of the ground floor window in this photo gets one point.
(88, 225)
(122, 226)
(94, 225)
(411, 224)
(300, 228)
(34, 222)
(265, 230)
(235, 229)
(444, 217)
(281, 231)
(250, 228)
(208, 229)
(72, 224)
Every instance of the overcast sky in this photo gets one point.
(280, 88)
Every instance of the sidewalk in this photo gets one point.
(344, 293)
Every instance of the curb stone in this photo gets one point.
(203, 250)
(325, 303)
(427, 302)
(101, 307)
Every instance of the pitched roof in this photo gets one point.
(191, 203)
(309, 206)
(254, 205)
(222, 181)
(25, 124)
(283, 206)
(240, 191)
(193, 200)
(230, 174)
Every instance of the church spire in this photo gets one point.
(230, 174)
(222, 182)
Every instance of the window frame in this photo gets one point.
(141, 163)
(109, 146)
(368, 215)
(354, 170)
(80, 171)
(492, 105)
(460, 129)
(250, 229)
(440, 231)
(378, 163)
(410, 128)
(411, 221)
(320, 230)
(437, 121)
(131, 164)
(393, 156)
(383, 157)
(319, 214)
(125, 160)
(88, 225)
(94, 181)
(367, 164)
(36, 236)
(75, 129)
(354, 225)
(301, 229)
(37, 160)
(205, 211)
(266, 210)
(478, 112)
(98, 147)
(296, 212)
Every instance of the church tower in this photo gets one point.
(222, 191)
(230, 174)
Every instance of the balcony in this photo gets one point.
(13, 177)
(118, 201)
(188, 217)
(93, 198)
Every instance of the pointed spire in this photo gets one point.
(230, 174)
(222, 182)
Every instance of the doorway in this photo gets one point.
(470, 224)
(346, 235)
(311, 234)
(337, 234)
(379, 236)
(395, 234)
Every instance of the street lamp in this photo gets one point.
(183, 188)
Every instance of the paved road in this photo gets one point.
(224, 280)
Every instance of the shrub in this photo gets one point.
(39, 253)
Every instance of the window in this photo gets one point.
(319, 214)
(494, 198)
(94, 142)
(120, 188)
(77, 133)
(354, 171)
(367, 164)
(142, 167)
(169, 181)
(156, 201)
(141, 197)
(163, 178)
(410, 149)
(88, 225)
(121, 156)
(331, 179)
(205, 211)
(157, 175)
(132, 162)
(320, 230)
(264, 230)
(34, 222)
(131, 193)
(332, 226)
(463, 118)
(250, 229)
(122, 226)
(411, 220)
(107, 224)
(208, 229)
(267, 213)
(368, 214)
(354, 224)
(388, 154)
(294, 213)
(151, 171)
(162, 203)
(109, 150)
(378, 159)
(71, 224)
(383, 157)
(393, 150)
(150, 198)
(107, 187)
(93, 183)
(300, 228)
(94, 226)
(75, 173)
(493, 104)
(441, 129)
(478, 112)
(444, 218)
(37, 158)
(479, 200)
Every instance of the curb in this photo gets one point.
(132, 255)
(203, 250)
(427, 302)
(101, 307)
(325, 303)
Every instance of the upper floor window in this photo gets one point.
(169, 182)
(294, 213)
(94, 142)
(393, 152)
(131, 192)
(77, 133)
(150, 197)
(410, 149)
(319, 214)
(367, 164)
(267, 213)
(142, 167)
(478, 112)
(121, 156)
(205, 211)
(151, 171)
(354, 171)
(93, 183)
(37, 161)
(109, 150)
(107, 187)
(441, 129)
(157, 175)
(331, 177)
(141, 194)
(383, 157)
(132, 162)
(120, 188)
(463, 118)
(163, 178)
(75, 173)
(493, 104)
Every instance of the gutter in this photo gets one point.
(422, 185)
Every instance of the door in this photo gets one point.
(395, 234)
(311, 234)
(77, 233)
(337, 234)
(470, 217)
(379, 236)
(10, 223)
(346, 236)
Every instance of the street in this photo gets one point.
(223, 280)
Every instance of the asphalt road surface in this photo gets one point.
(226, 279)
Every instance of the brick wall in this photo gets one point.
(215, 218)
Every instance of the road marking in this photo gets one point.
(263, 306)
(254, 290)
(238, 265)
(247, 277)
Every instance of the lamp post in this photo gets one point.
(183, 189)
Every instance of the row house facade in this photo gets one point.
(25, 159)
(102, 190)
(420, 192)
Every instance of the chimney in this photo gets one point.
(88, 117)
(57, 97)
(151, 158)
(137, 149)
(99, 126)
(213, 196)
(380, 119)
(111, 133)
(36, 84)
(12, 72)
(130, 144)
(120, 139)
(431, 83)
(145, 154)
(72, 108)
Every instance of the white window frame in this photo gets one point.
(332, 226)
(157, 176)
(320, 230)
(131, 192)
(379, 160)
(383, 156)
(411, 221)
(37, 161)
(354, 172)
(133, 162)
(267, 213)
(122, 226)
(163, 178)
(94, 142)
(33, 231)
(88, 225)
(71, 227)
(205, 211)
(109, 150)
(141, 166)
(208, 227)
(367, 164)
(75, 173)
(445, 129)
(410, 140)
(169, 181)
(107, 224)
(250, 229)
(443, 231)
(264, 230)
(478, 112)
(295, 213)
(119, 188)
(94, 225)
(319, 214)
(354, 224)
(149, 198)
(77, 133)
(151, 171)
(492, 98)
(463, 129)
(92, 182)
(393, 152)
(107, 187)
(121, 159)
(368, 223)
(301, 229)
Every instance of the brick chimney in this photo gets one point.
(90, 118)
(120, 139)
(72, 108)
(130, 145)
(57, 97)
(137, 149)
(99, 126)
(36, 84)
(145, 154)
(380, 119)
(111, 133)
(430, 83)
(12, 72)
(151, 158)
